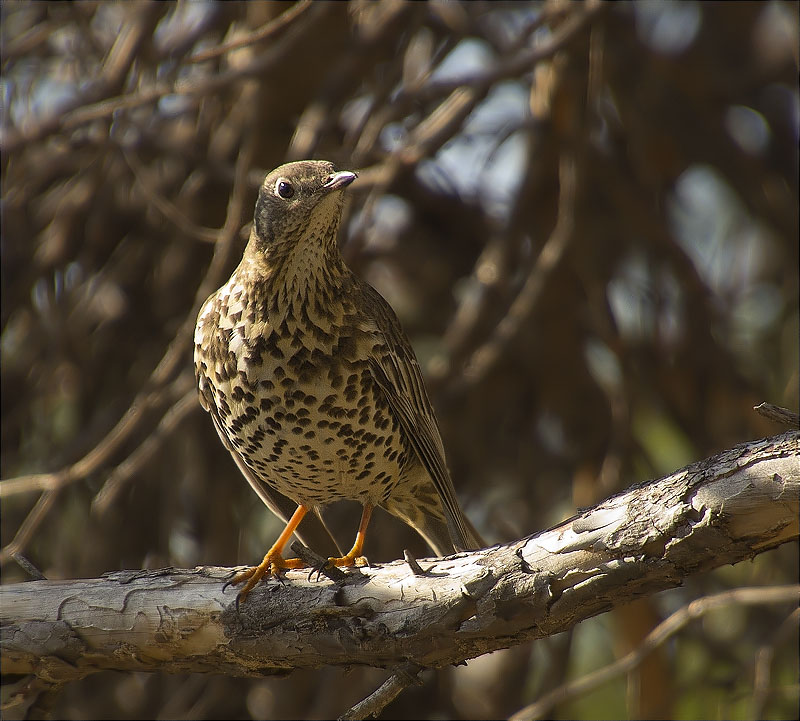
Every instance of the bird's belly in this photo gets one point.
(326, 436)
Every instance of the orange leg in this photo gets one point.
(353, 556)
(273, 561)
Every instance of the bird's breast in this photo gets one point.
(297, 400)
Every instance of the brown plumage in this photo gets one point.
(312, 384)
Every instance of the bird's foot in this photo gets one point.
(273, 564)
(350, 559)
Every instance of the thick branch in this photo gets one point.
(725, 509)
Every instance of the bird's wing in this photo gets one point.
(397, 373)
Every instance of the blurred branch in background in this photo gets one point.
(584, 213)
(657, 637)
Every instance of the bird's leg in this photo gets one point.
(353, 556)
(273, 561)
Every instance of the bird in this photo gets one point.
(314, 387)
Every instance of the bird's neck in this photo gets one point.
(305, 273)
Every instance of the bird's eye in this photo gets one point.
(284, 188)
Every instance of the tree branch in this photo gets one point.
(722, 510)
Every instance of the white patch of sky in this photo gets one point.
(469, 57)
(173, 105)
(629, 293)
(388, 220)
(748, 128)
(354, 111)
(667, 26)
(35, 89)
(603, 364)
(646, 301)
(731, 252)
(507, 24)
(727, 246)
(49, 95)
(550, 432)
(484, 162)
(107, 21)
(182, 22)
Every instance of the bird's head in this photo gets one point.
(299, 203)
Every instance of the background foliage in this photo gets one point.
(584, 214)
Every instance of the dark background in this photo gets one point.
(585, 216)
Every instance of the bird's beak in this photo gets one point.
(337, 181)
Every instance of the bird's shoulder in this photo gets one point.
(393, 362)
(377, 319)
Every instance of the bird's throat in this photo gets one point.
(307, 272)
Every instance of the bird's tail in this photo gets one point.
(426, 516)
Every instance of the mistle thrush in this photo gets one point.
(312, 384)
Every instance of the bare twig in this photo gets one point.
(762, 669)
(318, 564)
(28, 567)
(266, 31)
(389, 690)
(27, 529)
(340, 78)
(126, 470)
(778, 414)
(523, 62)
(487, 355)
(168, 209)
(413, 563)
